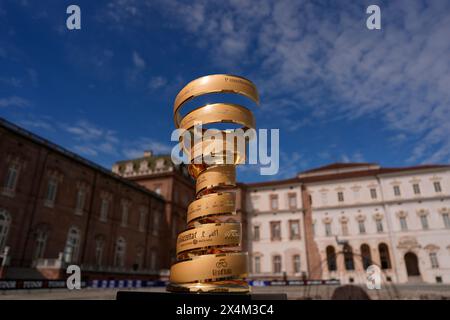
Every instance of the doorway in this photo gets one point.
(412, 264)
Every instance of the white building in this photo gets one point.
(352, 216)
(275, 229)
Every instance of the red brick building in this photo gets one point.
(57, 208)
(173, 182)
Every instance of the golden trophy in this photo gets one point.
(209, 255)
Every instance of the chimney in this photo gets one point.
(148, 153)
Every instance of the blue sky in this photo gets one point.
(337, 91)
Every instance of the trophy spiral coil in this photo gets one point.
(209, 255)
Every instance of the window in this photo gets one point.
(434, 260)
(446, 219)
(52, 189)
(155, 226)
(344, 225)
(5, 222)
(328, 232)
(138, 262)
(41, 242)
(275, 230)
(403, 224)
(119, 254)
(294, 229)
(348, 258)
(104, 209)
(437, 186)
(379, 224)
(324, 198)
(373, 193)
(361, 227)
(153, 259)
(81, 198)
(340, 196)
(274, 202)
(397, 192)
(296, 262)
(142, 219)
(256, 233)
(424, 221)
(257, 264)
(72, 245)
(277, 264)
(366, 255)
(416, 188)
(99, 244)
(331, 259)
(124, 220)
(356, 194)
(11, 178)
(314, 228)
(292, 199)
(385, 260)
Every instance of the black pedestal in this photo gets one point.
(195, 297)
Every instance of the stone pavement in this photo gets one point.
(293, 292)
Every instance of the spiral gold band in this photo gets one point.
(218, 83)
(215, 148)
(209, 234)
(219, 113)
(210, 267)
(211, 204)
(216, 176)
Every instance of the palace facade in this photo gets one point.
(332, 222)
(57, 209)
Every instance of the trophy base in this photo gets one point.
(210, 287)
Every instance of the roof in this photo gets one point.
(329, 175)
(340, 165)
(273, 183)
(372, 171)
(68, 154)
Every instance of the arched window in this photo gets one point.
(41, 242)
(139, 260)
(5, 222)
(153, 262)
(331, 259)
(296, 262)
(99, 245)
(11, 177)
(366, 256)
(277, 264)
(72, 245)
(385, 260)
(119, 255)
(257, 261)
(348, 258)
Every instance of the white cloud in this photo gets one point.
(92, 139)
(157, 82)
(37, 122)
(138, 61)
(323, 56)
(136, 149)
(11, 81)
(85, 150)
(329, 60)
(14, 101)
